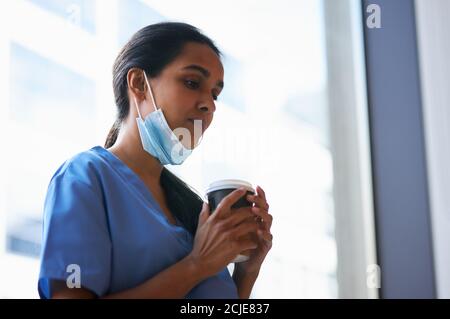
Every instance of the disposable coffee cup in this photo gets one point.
(220, 189)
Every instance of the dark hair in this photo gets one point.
(151, 49)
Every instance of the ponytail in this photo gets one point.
(182, 201)
(113, 134)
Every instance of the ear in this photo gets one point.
(136, 83)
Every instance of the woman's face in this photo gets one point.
(186, 90)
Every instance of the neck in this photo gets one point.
(128, 148)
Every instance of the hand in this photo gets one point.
(261, 212)
(220, 237)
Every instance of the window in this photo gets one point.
(40, 106)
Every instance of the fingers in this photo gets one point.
(265, 235)
(204, 214)
(226, 203)
(261, 208)
(239, 215)
(260, 192)
(243, 229)
(259, 201)
(247, 244)
(265, 216)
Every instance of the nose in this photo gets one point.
(207, 107)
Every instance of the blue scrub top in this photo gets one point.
(99, 215)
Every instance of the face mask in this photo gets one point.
(157, 137)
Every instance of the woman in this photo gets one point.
(117, 223)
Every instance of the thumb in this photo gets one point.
(204, 214)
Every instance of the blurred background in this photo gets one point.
(338, 109)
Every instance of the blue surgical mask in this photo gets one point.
(157, 137)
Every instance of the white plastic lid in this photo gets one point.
(229, 183)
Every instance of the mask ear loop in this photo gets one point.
(150, 89)
(151, 94)
(137, 108)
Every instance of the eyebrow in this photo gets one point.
(203, 71)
